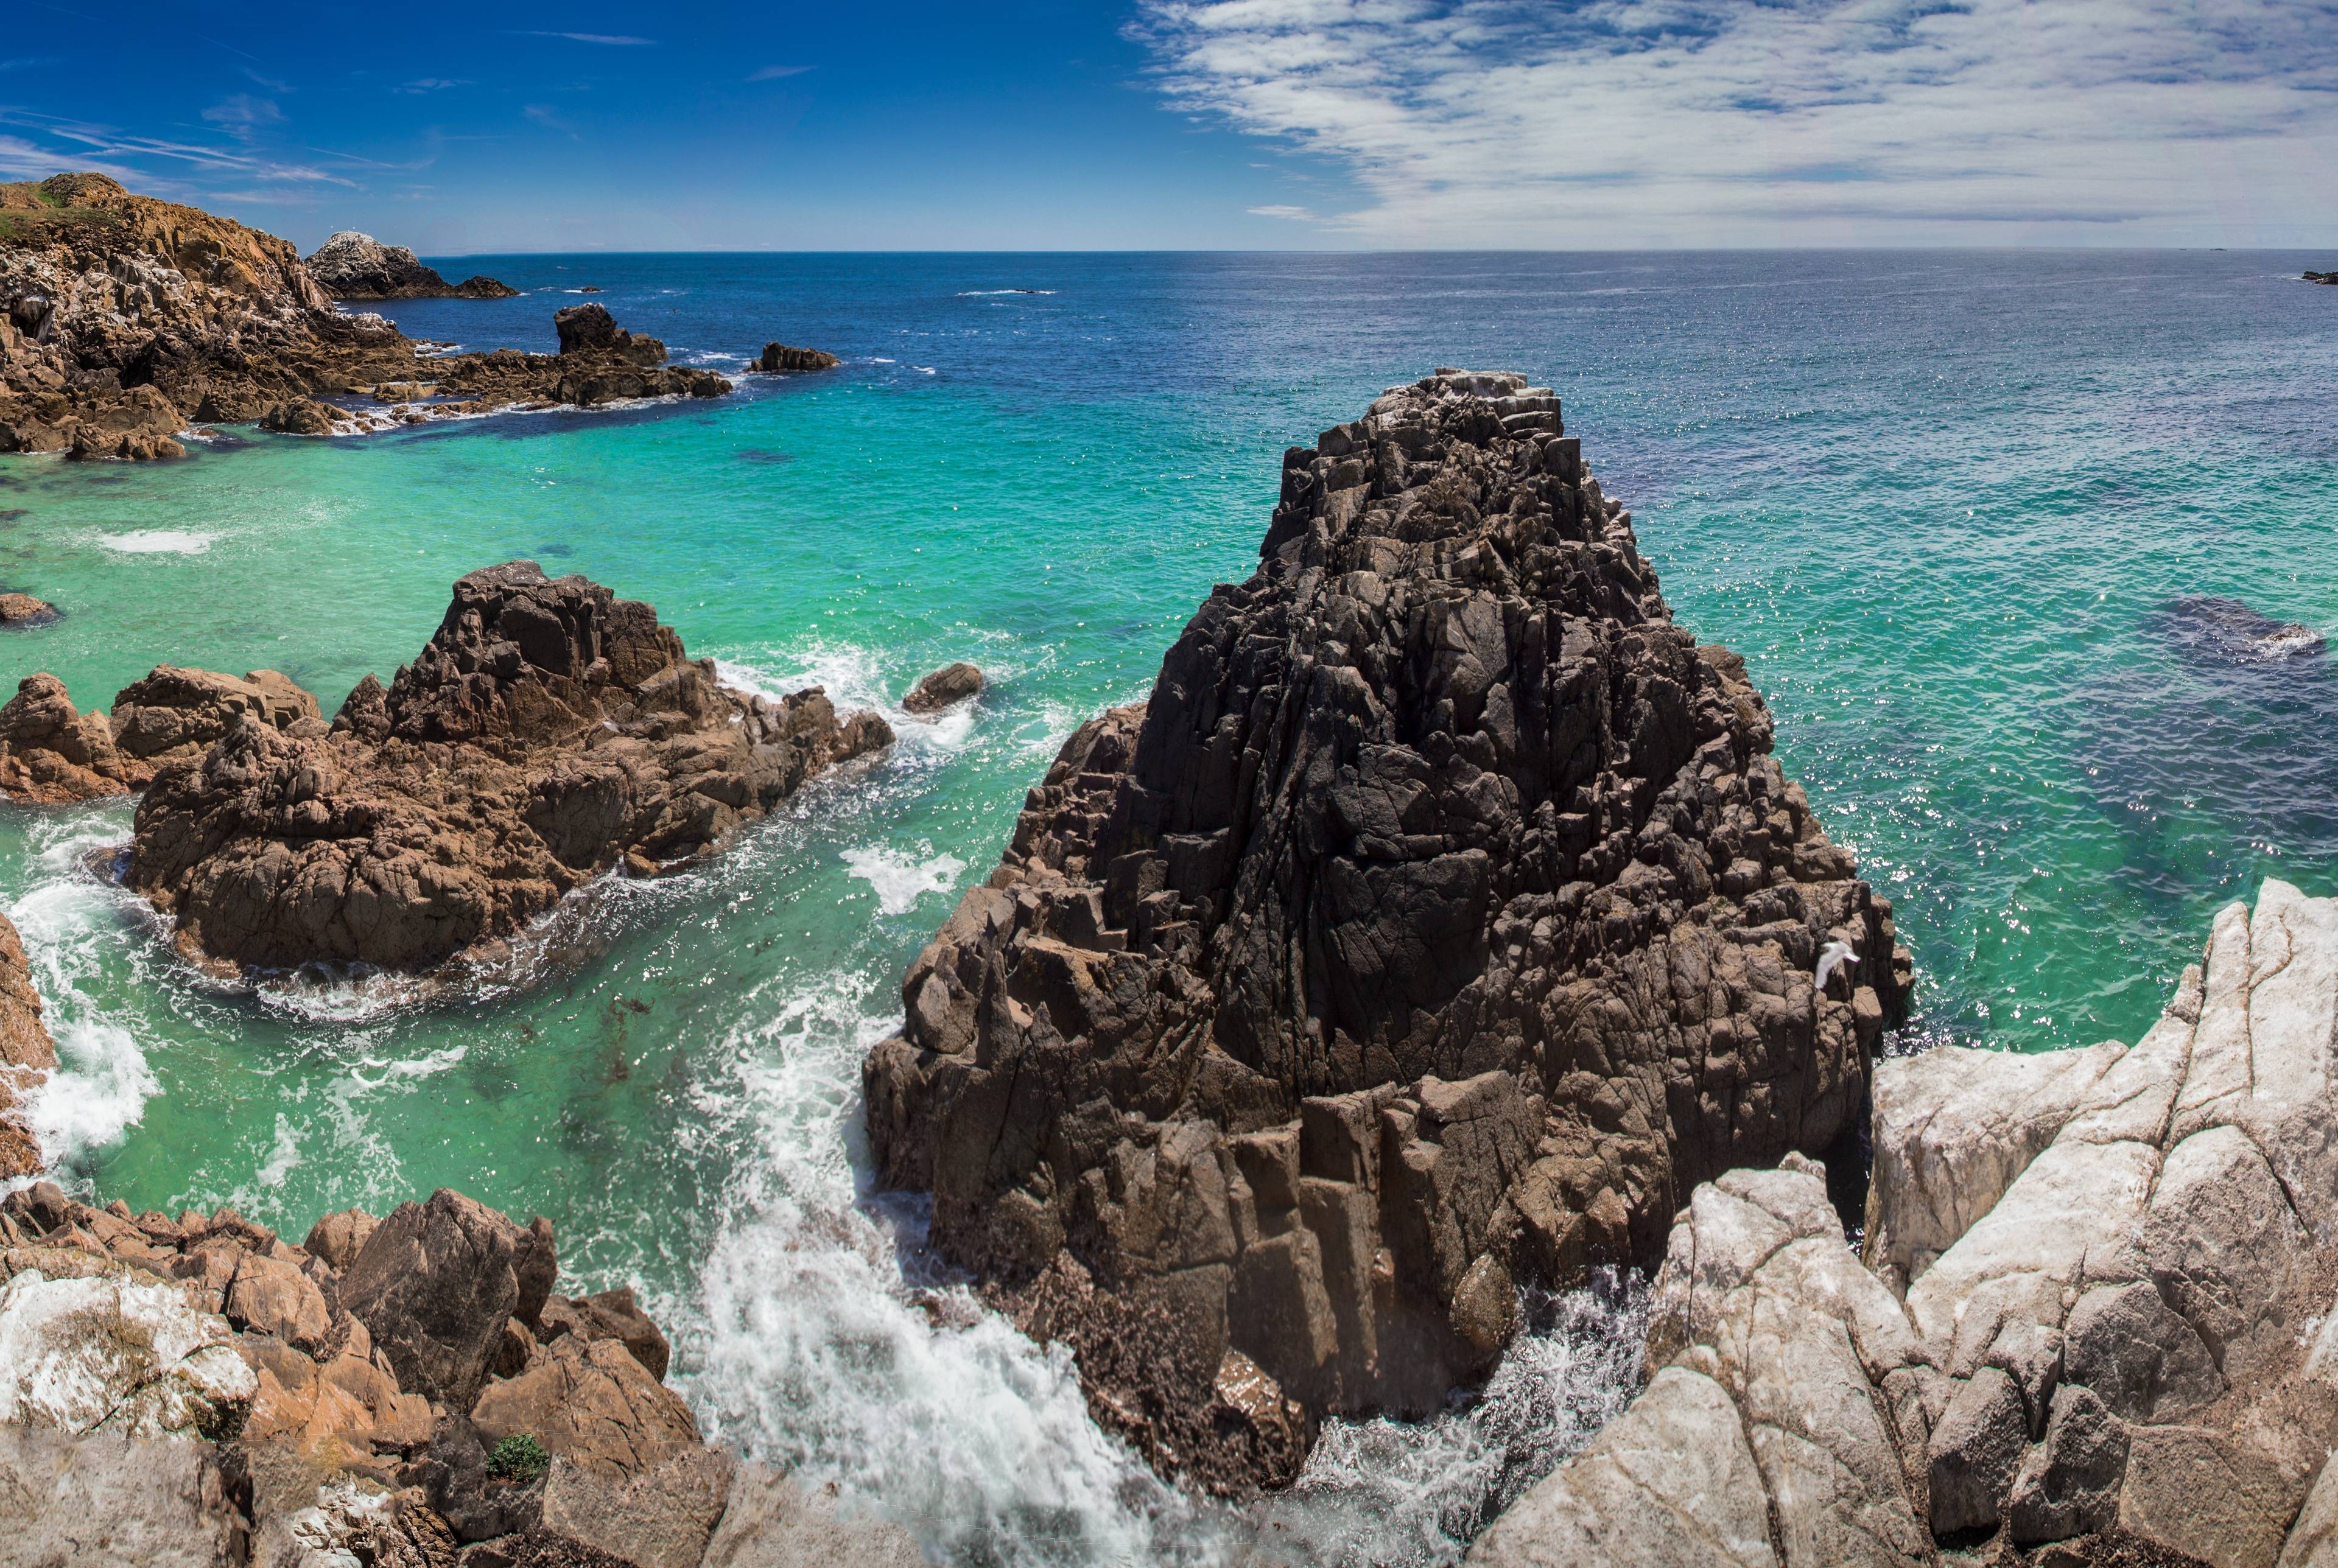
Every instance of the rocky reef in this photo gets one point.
(1437, 925)
(409, 1392)
(26, 1055)
(2094, 1324)
(548, 732)
(124, 320)
(51, 754)
(358, 267)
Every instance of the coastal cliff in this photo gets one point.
(2095, 1313)
(1438, 924)
(125, 320)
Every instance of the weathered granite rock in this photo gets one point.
(123, 1351)
(51, 754)
(27, 1054)
(353, 266)
(2123, 1339)
(172, 716)
(778, 359)
(548, 731)
(102, 1498)
(591, 1402)
(611, 1314)
(660, 1518)
(944, 688)
(434, 1284)
(22, 612)
(305, 417)
(1437, 925)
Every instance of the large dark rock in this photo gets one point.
(1438, 922)
(548, 731)
(50, 752)
(436, 1282)
(778, 359)
(22, 612)
(173, 715)
(354, 266)
(589, 328)
(943, 687)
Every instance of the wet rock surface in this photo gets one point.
(27, 1054)
(944, 688)
(1441, 921)
(22, 612)
(2117, 1350)
(200, 1391)
(548, 732)
(354, 266)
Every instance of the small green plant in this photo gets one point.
(519, 1457)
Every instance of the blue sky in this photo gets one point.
(1146, 124)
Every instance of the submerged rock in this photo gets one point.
(354, 266)
(2122, 1335)
(1441, 921)
(944, 688)
(778, 358)
(548, 731)
(2229, 630)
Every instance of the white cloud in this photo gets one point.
(774, 72)
(1300, 214)
(617, 39)
(1710, 122)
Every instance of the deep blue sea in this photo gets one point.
(1949, 506)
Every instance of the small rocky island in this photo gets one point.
(1439, 923)
(358, 267)
(548, 733)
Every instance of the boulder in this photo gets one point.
(51, 753)
(611, 1314)
(26, 1055)
(660, 1518)
(105, 1498)
(435, 1283)
(22, 610)
(778, 359)
(172, 717)
(1441, 905)
(340, 1237)
(590, 1402)
(944, 688)
(2069, 1483)
(548, 732)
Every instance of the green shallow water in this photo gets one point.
(1942, 503)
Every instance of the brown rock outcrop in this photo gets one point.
(50, 752)
(944, 688)
(778, 359)
(548, 731)
(1438, 922)
(173, 716)
(26, 1053)
(123, 320)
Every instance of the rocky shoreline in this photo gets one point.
(126, 321)
(1436, 927)
(357, 267)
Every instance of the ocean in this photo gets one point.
(1949, 506)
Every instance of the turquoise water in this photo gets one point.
(1939, 500)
